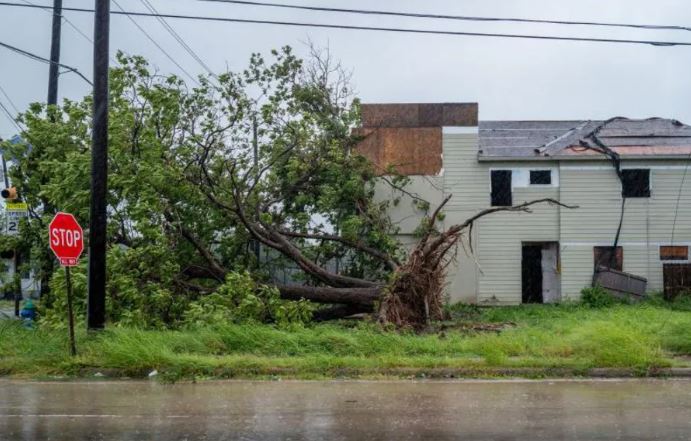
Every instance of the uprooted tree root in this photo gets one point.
(415, 296)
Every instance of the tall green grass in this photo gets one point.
(571, 336)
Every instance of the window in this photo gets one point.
(636, 183)
(540, 177)
(674, 253)
(603, 256)
(501, 188)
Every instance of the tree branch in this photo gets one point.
(390, 262)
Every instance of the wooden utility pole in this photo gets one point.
(53, 71)
(96, 311)
(15, 261)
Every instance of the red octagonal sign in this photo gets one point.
(66, 239)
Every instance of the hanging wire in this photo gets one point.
(147, 35)
(44, 60)
(657, 43)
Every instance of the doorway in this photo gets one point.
(540, 272)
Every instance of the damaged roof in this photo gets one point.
(580, 139)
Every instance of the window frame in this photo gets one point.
(619, 259)
(540, 170)
(491, 187)
(646, 193)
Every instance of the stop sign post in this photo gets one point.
(66, 239)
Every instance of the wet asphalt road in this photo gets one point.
(462, 410)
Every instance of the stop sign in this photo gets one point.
(66, 239)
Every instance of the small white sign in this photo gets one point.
(15, 211)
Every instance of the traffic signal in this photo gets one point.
(9, 194)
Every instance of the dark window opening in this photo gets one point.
(540, 272)
(531, 274)
(540, 177)
(607, 257)
(674, 252)
(636, 183)
(501, 188)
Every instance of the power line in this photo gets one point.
(65, 19)
(454, 17)
(44, 60)
(384, 29)
(177, 36)
(49, 10)
(14, 106)
(9, 116)
(153, 41)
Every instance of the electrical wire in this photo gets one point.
(383, 29)
(453, 17)
(49, 10)
(9, 116)
(154, 42)
(9, 100)
(65, 19)
(177, 37)
(44, 60)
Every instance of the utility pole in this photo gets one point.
(96, 310)
(255, 151)
(18, 289)
(53, 71)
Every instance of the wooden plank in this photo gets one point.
(410, 151)
(678, 252)
(412, 115)
(621, 284)
(676, 279)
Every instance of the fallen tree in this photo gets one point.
(410, 295)
(221, 183)
(275, 190)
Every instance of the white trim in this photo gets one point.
(454, 130)
(609, 167)
(551, 177)
(623, 244)
(520, 177)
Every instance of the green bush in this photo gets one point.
(240, 299)
(597, 297)
(129, 303)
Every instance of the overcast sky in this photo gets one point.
(510, 79)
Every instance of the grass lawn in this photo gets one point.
(567, 337)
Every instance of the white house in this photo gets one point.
(549, 254)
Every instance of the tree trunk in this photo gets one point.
(326, 294)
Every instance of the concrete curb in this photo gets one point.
(402, 373)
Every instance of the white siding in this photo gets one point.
(648, 222)
(403, 211)
(493, 273)
(467, 185)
